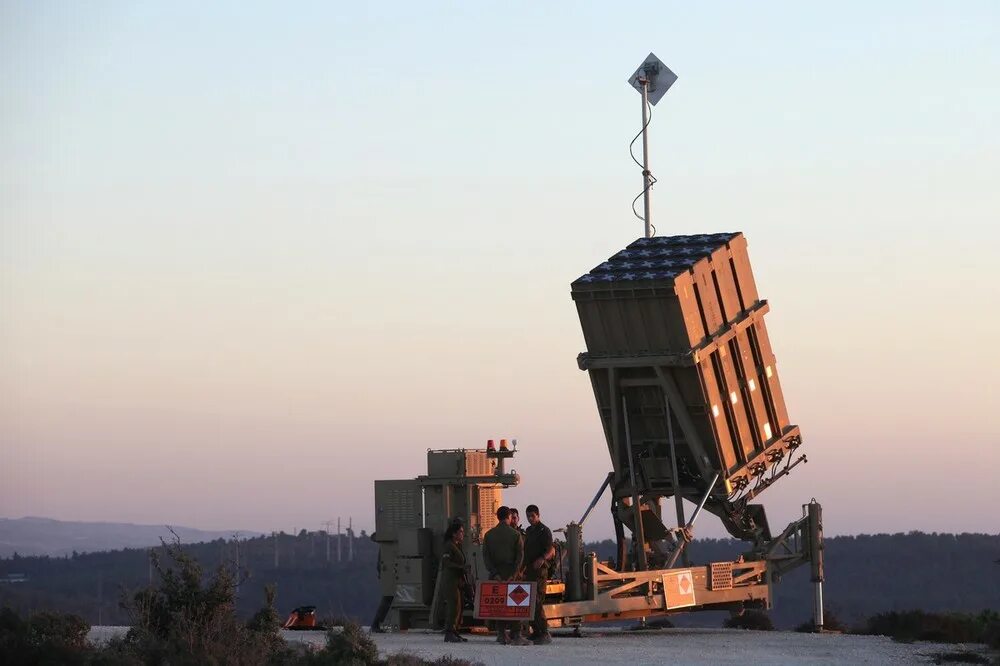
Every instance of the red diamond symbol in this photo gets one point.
(518, 595)
(684, 583)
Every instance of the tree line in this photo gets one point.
(865, 575)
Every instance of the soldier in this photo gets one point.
(515, 521)
(539, 550)
(503, 553)
(453, 579)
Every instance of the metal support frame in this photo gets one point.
(799, 543)
(675, 479)
(597, 497)
(814, 514)
(621, 554)
(574, 572)
(614, 445)
(638, 537)
(743, 483)
(673, 395)
(615, 595)
(687, 528)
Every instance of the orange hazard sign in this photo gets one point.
(678, 589)
(504, 601)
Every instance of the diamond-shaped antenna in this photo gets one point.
(652, 80)
(658, 78)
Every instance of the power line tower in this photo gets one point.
(239, 576)
(327, 524)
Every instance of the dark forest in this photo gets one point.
(866, 574)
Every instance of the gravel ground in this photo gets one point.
(683, 646)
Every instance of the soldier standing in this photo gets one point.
(539, 551)
(453, 573)
(503, 553)
(515, 520)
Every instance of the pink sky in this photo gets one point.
(239, 282)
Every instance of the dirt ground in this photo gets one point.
(679, 646)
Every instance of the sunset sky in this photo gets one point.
(255, 255)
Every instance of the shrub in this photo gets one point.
(990, 632)
(991, 635)
(191, 618)
(919, 625)
(44, 638)
(959, 657)
(405, 659)
(658, 623)
(349, 646)
(830, 623)
(751, 619)
(337, 620)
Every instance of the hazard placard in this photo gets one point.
(678, 589)
(497, 600)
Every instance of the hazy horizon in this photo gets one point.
(254, 257)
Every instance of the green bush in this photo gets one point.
(917, 625)
(44, 638)
(990, 622)
(991, 634)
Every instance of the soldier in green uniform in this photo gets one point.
(453, 578)
(515, 521)
(539, 552)
(503, 553)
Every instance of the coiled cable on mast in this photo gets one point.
(651, 179)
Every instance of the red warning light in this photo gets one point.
(490, 446)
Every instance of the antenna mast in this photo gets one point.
(652, 80)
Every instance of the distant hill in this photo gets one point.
(45, 536)
(865, 574)
(304, 567)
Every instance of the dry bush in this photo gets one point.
(751, 619)
(350, 646)
(830, 623)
